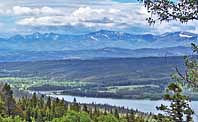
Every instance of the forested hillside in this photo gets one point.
(46, 109)
(135, 78)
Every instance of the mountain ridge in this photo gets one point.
(108, 52)
(95, 40)
(103, 43)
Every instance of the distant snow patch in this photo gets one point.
(185, 36)
(94, 38)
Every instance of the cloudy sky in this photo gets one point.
(81, 16)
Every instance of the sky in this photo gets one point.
(81, 16)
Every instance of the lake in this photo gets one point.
(141, 105)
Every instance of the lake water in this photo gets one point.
(141, 105)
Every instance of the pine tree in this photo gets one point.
(49, 102)
(85, 108)
(34, 100)
(28, 115)
(179, 109)
(116, 113)
(2, 106)
(41, 101)
(74, 101)
(127, 116)
(10, 104)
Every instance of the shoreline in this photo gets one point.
(58, 92)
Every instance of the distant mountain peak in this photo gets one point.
(108, 32)
(187, 35)
(179, 34)
(36, 35)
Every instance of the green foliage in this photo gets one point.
(41, 109)
(179, 109)
(167, 10)
(189, 77)
(11, 119)
(107, 118)
(73, 116)
(145, 79)
(2, 106)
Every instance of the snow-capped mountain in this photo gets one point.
(96, 40)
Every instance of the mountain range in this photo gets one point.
(96, 40)
(100, 44)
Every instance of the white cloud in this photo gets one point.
(174, 26)
(89, 14)
(22, 10)
(30, 11)
(45, 21)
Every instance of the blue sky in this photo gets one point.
(81, 16)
